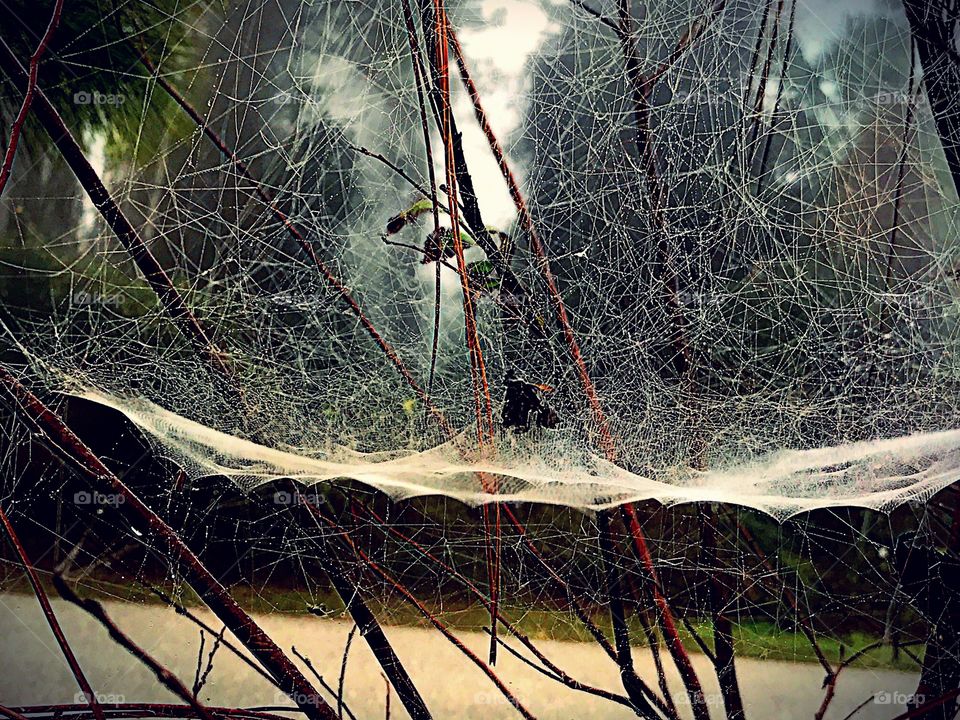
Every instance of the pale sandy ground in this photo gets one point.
(34, 672)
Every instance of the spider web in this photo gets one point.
(812, 300)
(757, 262)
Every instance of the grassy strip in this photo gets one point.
(752, 638)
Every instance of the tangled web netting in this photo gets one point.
(757, 259)
(724, 280)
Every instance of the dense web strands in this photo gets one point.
(745, 210)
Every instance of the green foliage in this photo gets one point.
(92, 71)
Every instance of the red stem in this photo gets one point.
(29, 94)
(51, 617)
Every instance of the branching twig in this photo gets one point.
(343, 669)
(29, 94)
(180, 609)
(167, 678)
(342, 705)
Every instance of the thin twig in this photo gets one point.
(775, 113)
(28, 96)
(386, 709)
(167, 678)
(338, 572)
(654, 643)
(120, 711)
(700, 642)
(343, 669)
(419, 73)
(599, 16)
(201, 680)
(10, 713)
(51, 617)
(324, 684)
(664, 615)
(180, 609)
(723, 657)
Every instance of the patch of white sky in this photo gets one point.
(499, 51)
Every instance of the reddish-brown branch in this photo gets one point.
(538, 248)
(51, 617)
(120, 711)
(831, 684)
(536, 244)
(207, 587)
(664, 615)
(166, 678)
(483, 405)
(28, 95)
(161, 284)
(926, 707)
(11, 713)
